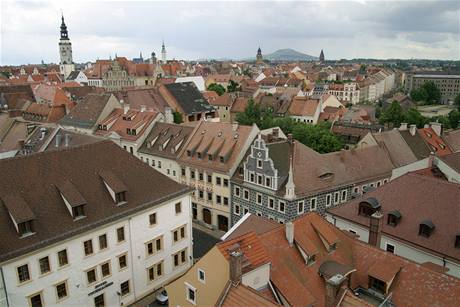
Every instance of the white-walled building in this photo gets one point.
(89, 231)
(413, 216)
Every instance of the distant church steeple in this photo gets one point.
(163, 52)
(66, 65)
(259, 58)
(321, 56)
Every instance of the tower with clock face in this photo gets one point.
(66, 64)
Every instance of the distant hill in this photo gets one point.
(289, 55)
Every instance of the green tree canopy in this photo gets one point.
(177, 118)
(428, 92)
(393, 114)
(233, 87)
(413, 117)
(219, 89)
(457, 101)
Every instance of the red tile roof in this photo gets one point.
(434, 141)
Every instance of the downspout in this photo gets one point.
(132, 258)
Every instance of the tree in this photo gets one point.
(177, 118)
(252, 114)
(419, 95)
(219, 89)
(434, 94)
(316, 137)
(233, 87)
(393, 114)
(413, 117)
(457, 101)
(454, 119)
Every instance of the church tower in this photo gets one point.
(259, 58)
(65, 52)
(321, 56)
(163, 53)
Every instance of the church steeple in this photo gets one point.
(259, 58)
(64, 34)
(163, 52)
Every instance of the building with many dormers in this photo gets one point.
(282, 179)
(208, 162)
(78, 229)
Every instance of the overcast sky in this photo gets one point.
(224, 29)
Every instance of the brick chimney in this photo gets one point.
(332, 288)
(375, 229)
(289, 227)
(236, 267)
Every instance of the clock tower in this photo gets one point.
(66, 64)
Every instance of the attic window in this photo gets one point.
(426, 228)
(120, 197)
(78, 212)
(25, 228)
(326, 176)
(20, 214)
(72, 198)
(115, 187)
(210, 157)
(189, 153)
(369, 206)
(221, 159)
(393, 218)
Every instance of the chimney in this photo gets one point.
(125, 108)
(375, 229)
(437, 128)
(332, 288)
(143, 108)
(403, 127)
(275, 132)
(289, 136)
(169, 118)
(67, 139)
(236, 267)
(290, 232)
(58, 140)
(235, 126)
(412, 129)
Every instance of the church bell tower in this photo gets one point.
(66, 64)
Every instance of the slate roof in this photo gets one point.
(189, 97)
(453, 139)
(453, 160)
(395, 145)
(136, 98)
(34, 178)
(416, 144)
(417, 198)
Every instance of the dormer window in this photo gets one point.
(426, 228)
(210, 157)
(189, 153)
(25, 228)
(115, 187)
(199, 155)
(221, 159)
(72, 198)
(393, 218)
(369, 206)
(457, 241)
(78, 211)
(120, 197)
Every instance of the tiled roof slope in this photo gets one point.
(35, 178)
(397, 148)
(417, 198)
(188, 97)
(242, 296)
(86, 112)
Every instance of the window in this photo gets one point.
(62, 258)
(259, 163)
(390, 248)
(246, 194)
(218, 180)
(153, 219)
(377, 284)
(120, 234)
(23, 273)
(259, 179)
(124, 288)
(313, 204)
(457, 241)
(155, 271)
(99, 301)
(44, 265)
(182, 171)
(392, 220)
(336, 197)
(281, 206)
(251, 177)
(352, 231)
(300, 207)
(218, 199)
(154, 246)
(267, 182)
(344, 196)
(36, 300)
(105, 269)
(122, 262)
(259, 198)
(271, 203)
(88, 246)
(180, 257)
(209, 196)
(200, 176)
(25, 228)
(61, 290)
(192, 174)
(78, 211)
(356, 190)
(191, 294)
(159, 164)
(245, 210)
(179, 234)
(236, 209)
(91, 276)
(120, 197)
(178, 208)
(225, 182)
(200, 194)
(209, 178)
(328, 200)
(426, 228)
(258, 213)
(102, 242)
(201, 276)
